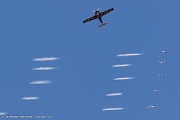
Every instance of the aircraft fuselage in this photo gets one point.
(98, 14)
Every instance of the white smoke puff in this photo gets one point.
(45, 59)
(30, 98)
(44, 68)
(130, 54)
(110, 109)
(114, 94)
(124, 78)
(3, 113)
(152, 106)
(41, 82)
(122, 65)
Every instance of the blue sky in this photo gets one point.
(54, 28)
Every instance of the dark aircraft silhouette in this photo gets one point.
(98, 15)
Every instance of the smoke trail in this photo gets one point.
(124, 78)
(108, 109)
(44, 68)
(45, 59)
(114, 94)
(130, 54)
(122, 65)
(30, 98)
(41, 82)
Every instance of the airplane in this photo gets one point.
(161, 62)
(164, 51)
(156, 90)
(98, 15)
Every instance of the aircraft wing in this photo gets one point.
(107, 11)
(89, 19)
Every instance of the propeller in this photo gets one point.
(93, 11)
(98, 9)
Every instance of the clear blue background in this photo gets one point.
(54, 28)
